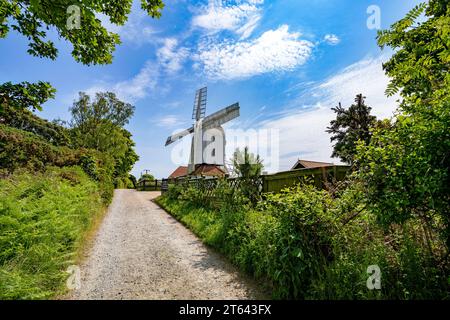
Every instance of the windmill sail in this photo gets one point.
(201, 142)
(221, 117)
(199, 109)
(179, 135)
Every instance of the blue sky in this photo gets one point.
(287, 62)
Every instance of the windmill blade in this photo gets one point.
(179, 135)
(199, 109)
(221, 117)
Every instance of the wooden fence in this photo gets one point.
(320, 177)
(149, 185)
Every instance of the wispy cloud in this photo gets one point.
(302, 128)
(171, 56)
(132, 89)
(240, 17)
(275, 50)
(168, 121)
(136, 30)
(332, 39)
(366, 77)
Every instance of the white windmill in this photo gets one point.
(208, 140)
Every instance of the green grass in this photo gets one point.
(44, 221)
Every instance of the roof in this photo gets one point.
(306, 164)
(179, 172)
(208, 170)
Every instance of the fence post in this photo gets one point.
(265, 184)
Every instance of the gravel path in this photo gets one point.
(141, 252)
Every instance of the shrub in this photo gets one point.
(286, 240)
(25, 120)
(304, 236)
(21, 149)
(174, 191)
(310, 244)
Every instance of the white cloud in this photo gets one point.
(168, 121)
(275, 50)
(366, 77)
(170, 56)
(332, 39)
(136, 30)
(133, 89)
(302, 129)
(240, 17)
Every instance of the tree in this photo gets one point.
(105, 107)
(133, 180)
(350, 126)
(95, 122)
(246, 164)
(92, 43)
(125, 161)
(419, 66)
(405, 169)
(98, 125)
(147, 177)
(25, 95)
(248, 167)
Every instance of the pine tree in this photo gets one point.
(351, 125)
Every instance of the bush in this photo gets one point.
(303, 238)
(25, 120)
(21, 149)
(173, 192)
(285, 245)
(310, 244)
(43, 220)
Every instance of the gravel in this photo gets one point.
(141, 252)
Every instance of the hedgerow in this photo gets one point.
(306, 243)
(20, 149)
(44, 218)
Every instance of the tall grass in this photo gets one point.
(44, 219)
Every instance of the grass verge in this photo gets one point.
(46, 220)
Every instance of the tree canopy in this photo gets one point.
(25, 95)
(350, 126)
(92, 43)
(147, 177)
(419, 66)
(406, 168)
(246, 164)
(98, 124)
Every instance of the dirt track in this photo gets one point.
(141, 252)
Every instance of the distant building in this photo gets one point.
(205, 170)
(179, 172)
(208, 170)
(306, 164)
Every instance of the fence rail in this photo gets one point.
(320, 177)
(149, 185)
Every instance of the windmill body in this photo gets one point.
(208, 136)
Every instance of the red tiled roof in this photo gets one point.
(179, 172)
(306, 164)
(208, 170)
